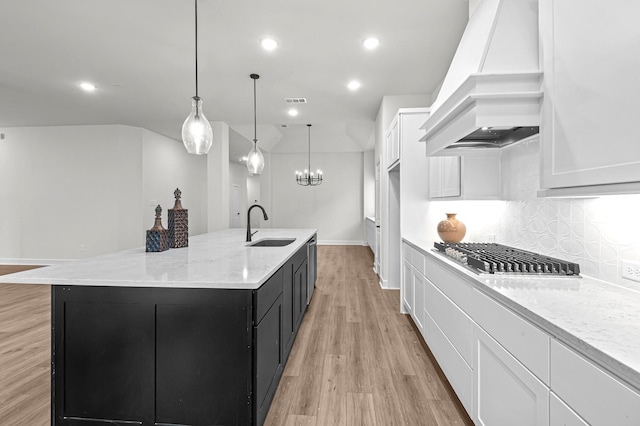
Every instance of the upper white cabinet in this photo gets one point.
(393, 143)
(444, 177)
(469, 177)
(591, 93)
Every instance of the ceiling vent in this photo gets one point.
(295, 100)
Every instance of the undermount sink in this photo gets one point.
(273, 242)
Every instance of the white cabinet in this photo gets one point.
(393, 143)
(591, 92)
(444, 177)
(561, 415)
(596, 396)
(418, 313)
(506, 393)
(458, 373)
(469, 177)
(407, 287)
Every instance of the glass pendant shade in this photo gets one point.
(255, 160)
(197, 135)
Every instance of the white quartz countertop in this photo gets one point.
(216, 260)
(598, 319)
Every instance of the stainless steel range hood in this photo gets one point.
(491, 95)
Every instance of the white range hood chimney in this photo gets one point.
(492, 93)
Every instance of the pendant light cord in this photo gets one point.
(309, 162)
(196, 32)
(255, 119)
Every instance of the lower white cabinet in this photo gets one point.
(506, 393)
(419, 283)
(561, 415)
(598, 397)
(406, 291)
(458, 373)
(505, 370)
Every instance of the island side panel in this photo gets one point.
(151, 355)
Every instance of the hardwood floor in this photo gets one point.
(25, 353)
(356, 360)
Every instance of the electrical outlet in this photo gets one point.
(152, 202)
(83, 248)
(631, 270)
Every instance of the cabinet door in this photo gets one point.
(300, 293)
(444, 177)
(288, 311)
(451, 177)
(561, 415)
(591, 89)
(393, 143)
(418, 299)
(505, 392)
(407, 287)
(268, 359)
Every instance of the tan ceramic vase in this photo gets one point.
(451, 230)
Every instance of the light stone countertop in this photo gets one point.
(598, 319)
(215, 260)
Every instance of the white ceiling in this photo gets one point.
(140, 54)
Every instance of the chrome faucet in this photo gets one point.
(249, 233)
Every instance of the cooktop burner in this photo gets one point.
(495, 258)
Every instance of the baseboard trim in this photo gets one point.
(341, 243)
(38, 262)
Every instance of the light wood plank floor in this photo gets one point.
(356, 360)
(25, 353)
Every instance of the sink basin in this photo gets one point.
(273, 242)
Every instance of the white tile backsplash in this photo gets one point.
(598, 233)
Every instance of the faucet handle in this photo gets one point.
(253, 233)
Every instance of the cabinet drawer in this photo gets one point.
(458, 373)
(523, 340)
(413, 256)
(594, 394)
(454, 287)
(454, 323)
(268, 293)
(561, 415)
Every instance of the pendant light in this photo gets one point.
(197, 135)
(307, 177)
(255, 159)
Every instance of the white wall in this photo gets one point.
(335, 208)
(369, 183)
(218, 187)
(70, 192)
(166, 166)
(238, 174)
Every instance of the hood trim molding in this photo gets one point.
(493, 100)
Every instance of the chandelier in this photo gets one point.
(307, 178)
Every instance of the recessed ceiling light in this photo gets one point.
(87, 87)
(371, 43)
(354, 85)
(269, 43)
(292, 112)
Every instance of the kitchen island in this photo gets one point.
(190, 336)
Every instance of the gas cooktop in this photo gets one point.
(492, 258)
